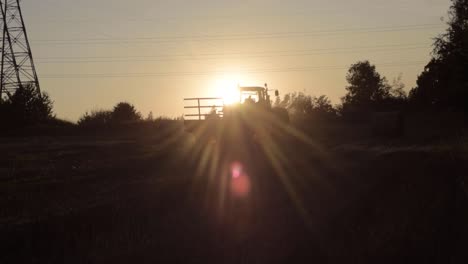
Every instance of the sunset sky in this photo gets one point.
(91, 54)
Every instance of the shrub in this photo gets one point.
(95, 118)
(125, 112)
(27, 106)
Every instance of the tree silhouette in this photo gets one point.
(150, 117)
(122, 112)
(322, 106)
(95, 118)
(444, 81)
(125, 112)
(398, 89)
(26, 106)
(300, 105)
(366, 87)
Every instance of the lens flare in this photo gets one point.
(240, 181)
(236, 169)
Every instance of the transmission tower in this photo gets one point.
(17, 64)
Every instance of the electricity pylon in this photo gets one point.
(17, 64)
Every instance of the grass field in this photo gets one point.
(100, 200)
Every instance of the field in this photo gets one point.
(95, 199)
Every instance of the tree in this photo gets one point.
(277, 101)
(366, 87)
(125, 112)
(322, 105)
(27, 106)
(300, 104)
(444, 81)
(282, 103)
(398, 88)
(122, 112)
(150, 117)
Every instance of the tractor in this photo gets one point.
(227, 134)
(252, 114)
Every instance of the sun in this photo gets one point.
(231, 95)
(227, 86)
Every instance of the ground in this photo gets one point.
(126, 200)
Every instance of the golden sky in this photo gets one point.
(91, 54)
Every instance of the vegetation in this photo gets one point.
(330, 191)
(302, 106)
(27, 106)
(96, 118)
(368, 91)
(444, 81)
(442, 85)
(366, 87)
(123, 112)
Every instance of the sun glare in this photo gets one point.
(227, 86)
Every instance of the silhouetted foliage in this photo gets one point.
(398, 89)
(277, 101)
(322, 105)
(366, 87)
(444, 81)
(27, 106)
(297, 103)
(125, 112)
(150, 116)
(96, 118)
(300, 106)
(122, 113)
(368, 91)
(281, 114)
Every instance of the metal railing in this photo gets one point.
(199, 107)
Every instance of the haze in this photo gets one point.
(93, 54)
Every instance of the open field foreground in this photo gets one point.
(88, 200)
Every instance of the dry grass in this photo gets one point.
(94, 200)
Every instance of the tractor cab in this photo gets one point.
(255, 95)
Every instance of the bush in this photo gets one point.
(122, 113)
(304, 107)
(96, 118)
(125, 112)
(27, 106)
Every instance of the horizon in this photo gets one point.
(153, 54)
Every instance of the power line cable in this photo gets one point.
(407, 45)
(246, 71)
(198, 58)
(145, 40)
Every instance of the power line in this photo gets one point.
(143, 40)
(224, 55)
(402, 27)
(236, 17)
(240, 56)
(237, 53)
(201, 73)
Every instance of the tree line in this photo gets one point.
(443, 85)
